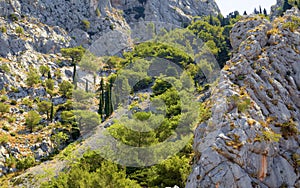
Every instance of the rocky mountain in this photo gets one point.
(252, 137)
(32, 34)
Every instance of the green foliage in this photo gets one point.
(89, 62)
(59, 138)
(32, 119)
(86, 119)
(5, 68)
(165, 51)
(11, 162)
(160, 86)
(3, 139)
(44, 107)
(3, 29)
(4, 108)
(92, 171)
(98, 13)
(292, 25)
(171, 172)
(86, 24)
(288, 128)
(13, 17)
(65, 88)
(44, 69)
(76, 54)
(49, 84)
(204, 113)
(32, 77)
(19, 30)
(271, 136)
(25, 163)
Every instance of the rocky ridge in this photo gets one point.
(252, 137)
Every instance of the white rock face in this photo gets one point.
(169, 11)
(236, 147)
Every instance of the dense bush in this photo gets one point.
(32, 119)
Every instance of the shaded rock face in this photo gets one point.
(175, 12)
(252, 138)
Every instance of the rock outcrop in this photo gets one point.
(252, 137)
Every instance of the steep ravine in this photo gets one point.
(252, 138)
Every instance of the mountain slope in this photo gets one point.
(252, 138)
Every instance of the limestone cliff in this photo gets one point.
(252, 137)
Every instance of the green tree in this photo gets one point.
(49, 84)
(86, 119)
(52, 112)
(75, 54)
(89, 62)
(101, 98)
(59, 138)
(44, 69)
(32, 77)
(65, 88)
(44, 107)
(286, 5)
(32, 119)
(4, 108)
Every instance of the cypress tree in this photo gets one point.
(107, 102)
(286, 5)
(86, 86)
(101, 98)
(111, 109)
(245, 13)
(260, 11)
(265, 12)
(52, 112)
(49, 75)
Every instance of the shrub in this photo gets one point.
(4, 108)
(19, 30)
(86, 24)
(3, 139)
(32, 77)
(44, 69)
(4, 98)
(5, 68)
(11, 162)
(44, 107)
(25, 163)
(3, 29)
(49, 84)
(271, 136)
(65, 88)
(98, 13)
(6, 128)
(13, 17)
(32, 119)
(13, 102)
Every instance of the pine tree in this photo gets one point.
(76, 55)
